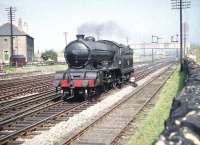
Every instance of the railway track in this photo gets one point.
(134, 124)
(16, 81)
(19, 117)
(19, 87)
(140, 73)
(22, 106)
(108, 127)
(15, 85)
(40, 118)
(26, 90)
(15, 75)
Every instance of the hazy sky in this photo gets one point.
(49, 19)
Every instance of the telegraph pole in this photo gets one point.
(181, 36)
(181, 4)
(11, 17)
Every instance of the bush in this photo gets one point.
(50, 62)
(49, 55)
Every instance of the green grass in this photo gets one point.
(9, 69)
(149, 129)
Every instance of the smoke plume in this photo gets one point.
(106, 30)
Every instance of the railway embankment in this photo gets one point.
(183, 125)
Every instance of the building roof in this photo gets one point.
(5, 30)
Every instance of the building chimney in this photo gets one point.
(20, 24)
(25, 27)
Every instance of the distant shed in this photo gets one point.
(23, 44)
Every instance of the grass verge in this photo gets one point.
(149, 129)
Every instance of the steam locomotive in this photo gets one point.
(93, 67)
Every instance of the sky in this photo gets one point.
(136, 19)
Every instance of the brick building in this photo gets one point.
(23, 44)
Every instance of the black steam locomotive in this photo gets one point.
(93, 67)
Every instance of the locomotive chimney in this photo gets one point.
(80, 36)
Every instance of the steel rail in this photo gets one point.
(12, 135)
